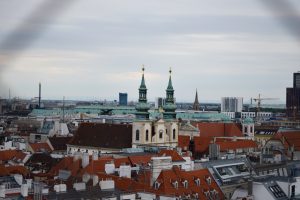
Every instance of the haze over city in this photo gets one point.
(93, 50)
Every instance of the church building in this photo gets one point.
(159, 132)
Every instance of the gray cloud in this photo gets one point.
(210, 45)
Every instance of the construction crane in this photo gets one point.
(259, 100)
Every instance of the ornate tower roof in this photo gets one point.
(170, 86)
(170, 106)
(196, 105)
(142, 106)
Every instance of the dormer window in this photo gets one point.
(208, 180)
(214, 192)
(156, 185)
(185, 184)
(206, 193)
(197, 181)
(175, 184)
(196, 195)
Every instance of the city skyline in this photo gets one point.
(94, 50)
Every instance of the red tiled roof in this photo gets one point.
(216, 129)
(17, 169)
(175, 156)
(140, 160)
(167, 178)
(126, 184)
(40, 147)
(234, 145)
(184, 142)
(59, 143)
(120, 161)
(289, 139)
(3, 171)
(113, 136)
(202, 144)
(66, 163)
(7, 155)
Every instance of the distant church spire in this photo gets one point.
(196, 105)
(170, 106)
(142, 106)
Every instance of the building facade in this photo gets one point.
(293, 98)
(159, 132)
(231, 104)
(123, 99)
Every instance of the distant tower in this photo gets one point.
(293, 98)
(123, 99)
(152, 132)
(142, 106)
(40, 93)
(170, 106)
(196, 105)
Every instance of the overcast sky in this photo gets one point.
(93, 50)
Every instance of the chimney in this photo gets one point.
(250, 187)
(157, 165)
(85, 160)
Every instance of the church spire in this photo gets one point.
(170, 106)
(142, 106)
(170, 86)
(196, 105)
(143, 85)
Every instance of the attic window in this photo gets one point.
(206, 193)
(196, 195)
(185, 184)
(175, 184)
(213, 193)
(156, 185)
(197, 181)
(208, 180)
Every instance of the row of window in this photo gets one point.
(137, 134)
(246, 129)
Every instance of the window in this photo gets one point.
(185, 184)
(251, 129)
(245, 129)
(147, 135)
(293, 191)
(208, 180)
(137, 135)
(175, 184)
(197, 181)
(160, 134)
(174, 134)
(156, 185)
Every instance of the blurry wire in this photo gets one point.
(287, 15)
(30, 29)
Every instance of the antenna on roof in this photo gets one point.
(9, 94)
(40, 93)
(63, 109)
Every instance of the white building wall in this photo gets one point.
(231, 104)
(260, 192)
(297, 186)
